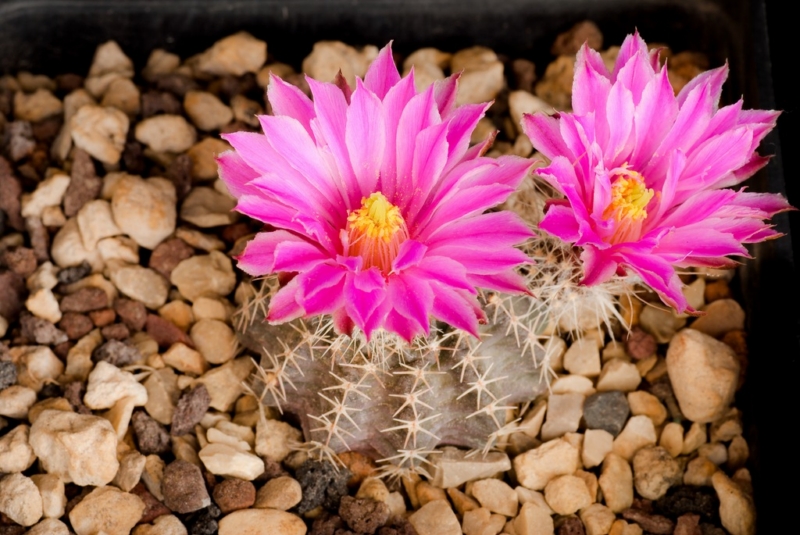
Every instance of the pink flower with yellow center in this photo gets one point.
(643, 171)
(377, 203)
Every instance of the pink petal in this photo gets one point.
(445, 271)
(545, 135)
(419, 114)
(394, 103)
(412, 298)
(653, 118)
(235, 173)
(508, 281)
(365, 136)
(632, 46)
(450, 306)
(289, 100)
(283, 306)
(560, 221)
(461, 124)
(483, 262)
(658, 275)
(620, 113)
(502, 229)
(444, 91)
(363, 296)
(410, 254)
(713, 79)
(382, 74)
(321, 289)
(297, 254)
(598, 266)
(258, 257)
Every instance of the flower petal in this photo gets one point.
(382, 74)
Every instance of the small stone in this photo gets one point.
(151, 436)
(41, 331)
(564, 412)
(163, 525)
(190, 410)
(185, 359)
(616, 482)
(246, 110)
(43, 304)
(619, 375)
(162, 395)
(183, 487)
(49, 526)
(736, 509)
(428, 493)
(225, 382)
(363, 515)
(106, 510)
(164, 332)
(20, 260)
(479, 522)
(8, 374)
(704, 374)
(123, 95)
(215, 341)
(234, 494)
(117, 353)
(155, 102)
(132, 313)
(131, 467)
(328, 58)
(20, 500)
(95, 222)
(695, 437)
(531, 423)
(721, 316)
(567, 494)
(100, 131)
(281, 493)
(655, 471)
(206, 111)
(655, 524)
(583, 358)
(672, 438)
(273, 438)
(261, 522)
(206, 208)
(570, 42)
(10, 194)
(169, 254)
(482, 77)
(322, 483)
(727, 428)
(662, 324)
(533, 520)
(234, 55)
(166, 133)
(54, 499)
(688, 525)
(16, 455)
(36, 365)
(496, 496)
(36, 106)
(643, 403)
(204, 522)
(452, 468)
(203, 156)
(205, 275)
(699, 472)
(109, 384)
(115, 332)
(16, 401)
(597, 443)
(84, 184)
(597, 519)
(435, 518)
(535, 468)
(688, 499)
(160, 62)
(738, 453)
(145, 209)
(556, 85)
(638, 433)
(85, 300)
(75, 325)
(225, 460)
(606, 410)
(640, 344)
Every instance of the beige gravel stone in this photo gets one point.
(234, 55)
(203, 155)
(95, 222)
(573, 384)
(185, 359)
(646, 404)
(54, 498)
(273, 438)
(20, 499)
(567, 494)
(620, 527)
(533, 520)
(435, 518)
(160, 62)
(123, 95)
(43, 304)
(36, 106)
(738, 453)
(109, 58)
(699, 471)
(564, 413)
(106, 510)
(520, 102)
(49, 192)
(583, 358)
(207, 308)
(141, 284)
(637, 433)
(672, 438)
(49, 526)
(715, 452)
(695, 437)
(662, 323)
(108, 384)
(145, 209)
(179, 313)
(131, 466)
(16, 400)
(224, 382)
(597, 519)
(619, 374)
(597, 443)
(721, 316)
(531, 423)
(655, 471)
(736, 508)
(67, 248)
(100, 131)
(616, 482)
(224, 460)
(16, 455)
(535, 468)
(166, 133)
(58, 404)
(428, 493)
(482, 77)
(162, 395)
(496, 496)
(727, 427)
(281, 493)
(78, 448)
(36, 365)
(261, 522)
(206, 111)
(153, 475)
(163, 525)
(208, 275)
(482, 522)
(215, 340)
(704, 373)
(208, 208)
(327, 58)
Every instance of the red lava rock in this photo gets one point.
(84, 300)
(364, 515)
(116, 353)
(234, 494)
(62, 350)
(166, 333)
(183, 488)
(640, 344)
(69, 82)
(524, 74)
(231, 233)
(12, 295)
(85, 184)
(569, 42)
(177, 84)
(41, 331)
(103, 317)
(76, 325)
(571, 525)
(45, 131)
(688, 525)
(169, 254)
(327, 525)
(179, 173)
(132, 313)
(74, 273)
(230, 86)
(73, 392)
(19, 140)
(151, 436)
(152, 507)
(20, 260)
(40, 238)
(272, 469)
(10, 195)
(116, 331)
(401, 527)
(656, 524)
(190, 409)
(155, 102)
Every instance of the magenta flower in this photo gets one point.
(377, 204)
(643, 171)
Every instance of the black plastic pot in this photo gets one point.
(55, 36)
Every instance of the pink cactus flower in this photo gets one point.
(377, 204)
(643, 172)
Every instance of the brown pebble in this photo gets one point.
(737, 340)
(45, 131)
(656, 524)
(132, 313)
(569, 42)
(12, 295)
(84, 300)
(272, 469)
(571, 525)
(40, 238)
(155, 102)
(20, 142)
(69, 82)
(327, 524)
(183, 487)
(62, 350)
(74, 392)
(76, 325)
(359, 464)
(716, 290)
(688, 524)
(231, 233)
(177, 84)
(41, 331)
(133, 158)
(151, 436)
(20, 260)
(169, 254)
(103, 317)
(166, 333)
(116, 353)
(190, 409)
(12, 530)
(84, 185)
(524, 74)
(10, 195)
(363, 515)
(640, 344)
(115, 331)
(234, 494)
(179, 172)
(152, 507)
(231, 86)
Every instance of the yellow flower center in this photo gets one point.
(628, 206)
(375, 232)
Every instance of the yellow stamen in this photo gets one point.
(375, 232)
(628, 206)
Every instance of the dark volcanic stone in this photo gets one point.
(75, 325)
(571, 525)
(12, 295)
(84, 185)
(151, 436)
(40, 238)
(41, 331)
(50, 390)
(400, 527)
(155, 102)
(117, 331)
(73, 392)
(132, 313)
(177, 84)
(686, 499)
(606, 410)
(74, 273)
(20, 260)
(116, 353)
(84, 300)
(179, 173)
(326, 524)
(203, 522)
(234, 494)
(183, 488)
(169, 254)
(45, 131)
(10, 195)
(524, 74)
(8, 374)
(152, 507)
(166, 333)
(711, 529)
(656, 524)
(363, 514)
(322, 483)
(133, 158)
(190, 410)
